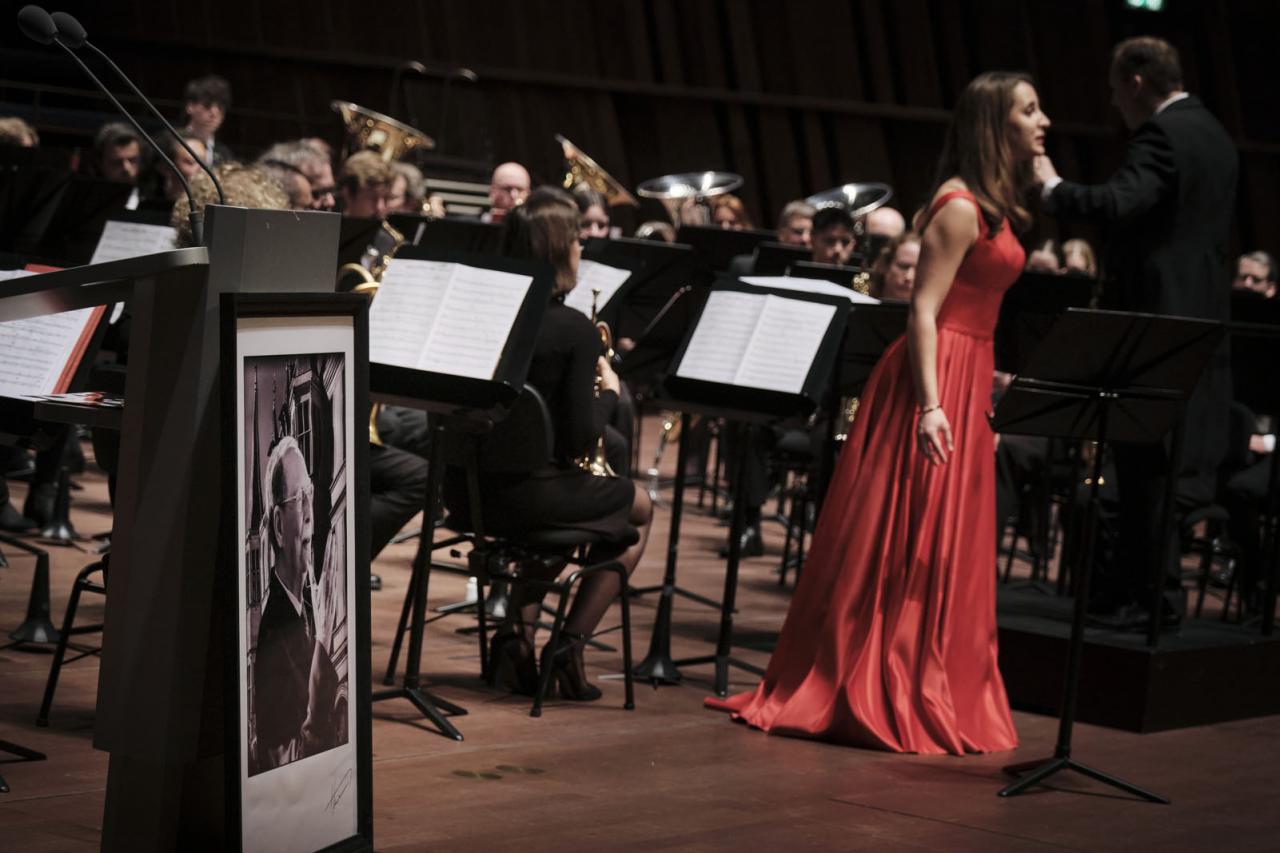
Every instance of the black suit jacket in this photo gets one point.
(1168, 209)
(281, 673)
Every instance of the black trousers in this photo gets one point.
(1245, 498)
(397, 492)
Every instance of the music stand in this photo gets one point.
(447, 397)
(1129, 385)
(465, 235)
(835, 273)
(870, 330)
(717, 247)
(774, 258)
(666, 268)
(751, 405)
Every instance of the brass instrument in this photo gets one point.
(670, 433)
(684, 196)
(858, 199)
(377, 258)
(371, 131)
(862, 283)
(597, 464)
(581, 170)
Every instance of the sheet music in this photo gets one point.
(722, 336)
(786, 339)
(810, 285)
(474, 322)
(36, 350)
(756, 341)
(131, 240)
(404, 311)
(593, 274)
(443, 317)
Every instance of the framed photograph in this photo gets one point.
(295, 416)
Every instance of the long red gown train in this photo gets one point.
(890, 642)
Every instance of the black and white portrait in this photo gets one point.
(297, 612)
(296, 558)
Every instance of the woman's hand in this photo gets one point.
(608, 379)
(934, 434)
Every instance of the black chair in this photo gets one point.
(84, 583)
(520, 443)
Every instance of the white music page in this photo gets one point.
(443, 317)
(595, 275)
(131, 240)
(810, 285)
(721, 337)
(37, 349)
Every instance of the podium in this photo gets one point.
(160, 696)
(1130, 385)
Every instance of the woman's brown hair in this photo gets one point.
(545, 228)
(977, 150)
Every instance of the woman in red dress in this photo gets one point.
(890, 642)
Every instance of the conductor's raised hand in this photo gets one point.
(1043, 168)
(934, 435)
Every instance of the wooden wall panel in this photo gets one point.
(797, 96)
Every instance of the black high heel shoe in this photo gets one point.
(565, 660)
(511, 663)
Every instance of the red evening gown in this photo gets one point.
(890, 642)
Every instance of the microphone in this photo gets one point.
(38, 25)
(73, 36)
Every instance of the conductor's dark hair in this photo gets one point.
(1153, 59)
(208, 90)
(826, 217)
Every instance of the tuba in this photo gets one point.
(581, 170)
(371, 131)
(684, 196)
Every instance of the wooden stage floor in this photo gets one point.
(668, 775)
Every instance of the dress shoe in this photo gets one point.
(1135, 617)
(568, 672)
(752, 545)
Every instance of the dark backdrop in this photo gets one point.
(795, 96)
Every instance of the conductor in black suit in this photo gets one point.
(1168, 210)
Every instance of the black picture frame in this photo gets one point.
(288, 307)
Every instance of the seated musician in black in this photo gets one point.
(565, 363)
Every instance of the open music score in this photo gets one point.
(131, 240)
(756, 340)
(810, 285)
(41, 354)
(444, 317)
(595, 275)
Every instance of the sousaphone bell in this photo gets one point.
(581, 170)
(692, 189)
(372, 131)
(858, 199)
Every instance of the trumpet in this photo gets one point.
(596, 463)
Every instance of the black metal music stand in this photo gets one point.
(751, 406)
(23, 753)
(1128, 384)
(444, 396)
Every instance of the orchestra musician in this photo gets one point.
(566, 362)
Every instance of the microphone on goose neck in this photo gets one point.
(39, 26)
(74, 36)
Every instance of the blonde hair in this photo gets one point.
(244, 186)
(16, 131)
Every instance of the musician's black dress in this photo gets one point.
(563, 370)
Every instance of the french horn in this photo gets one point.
(581, 170)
